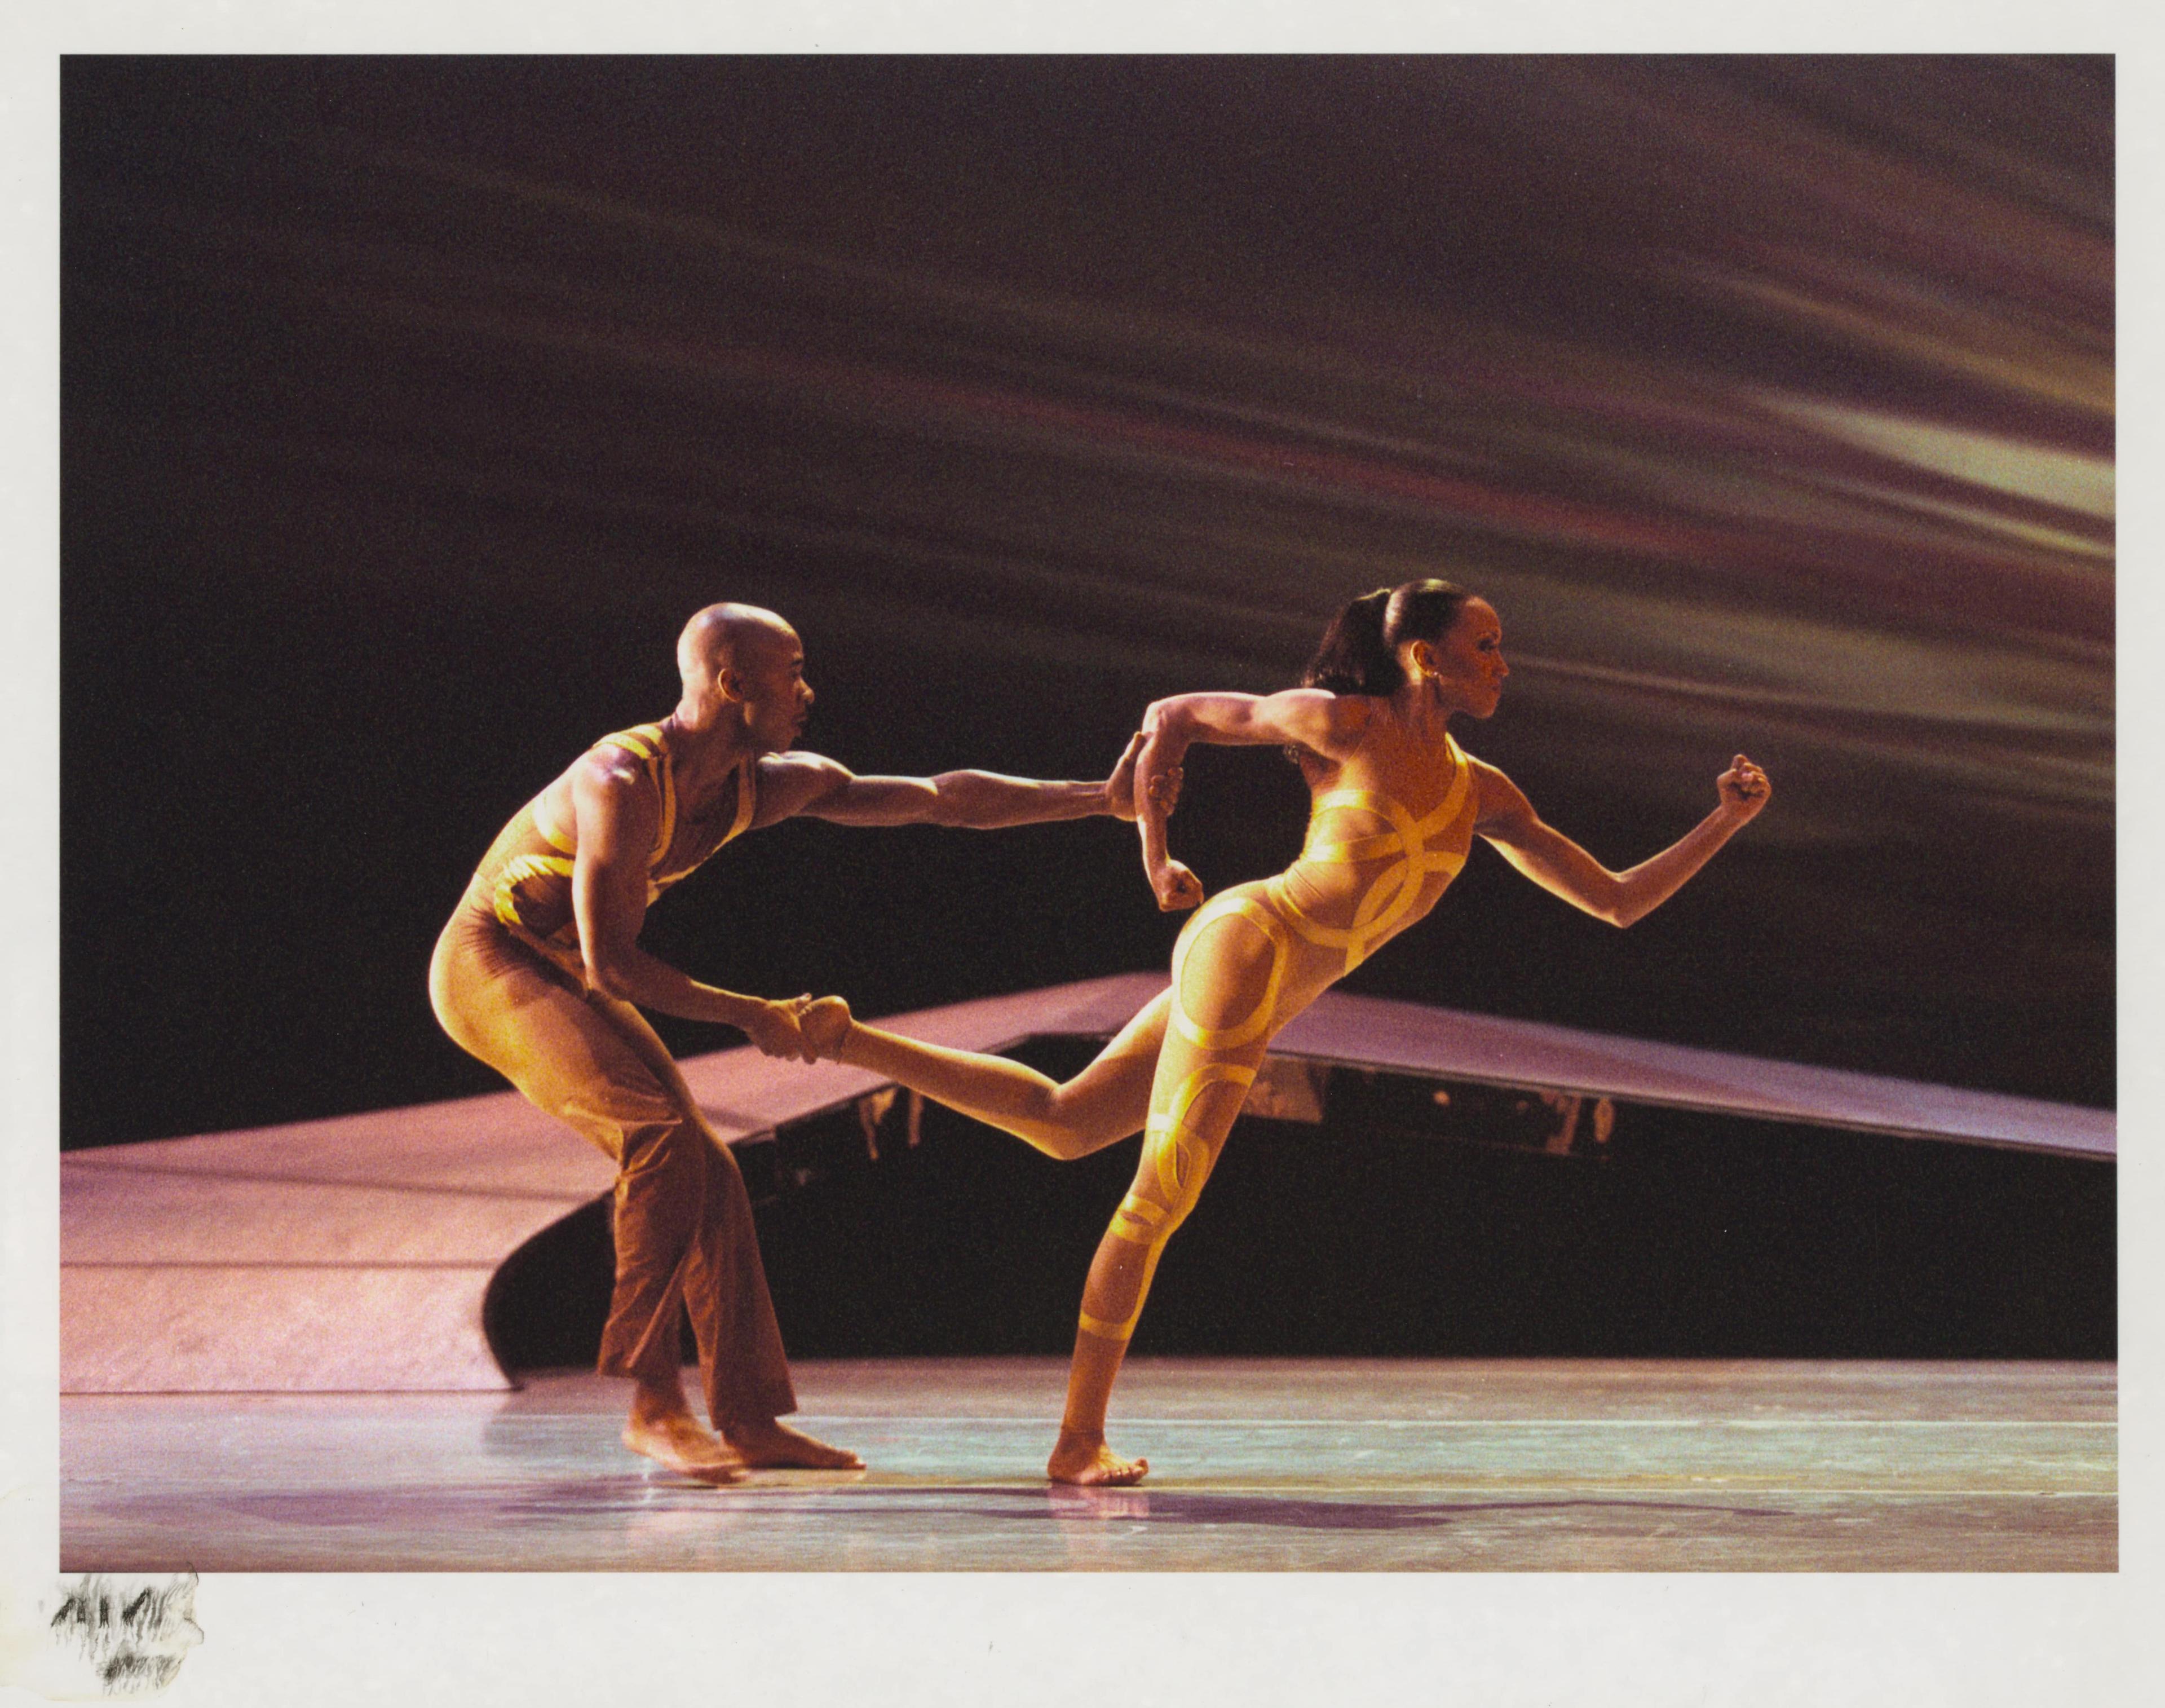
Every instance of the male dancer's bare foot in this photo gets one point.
(824, 1025)
(774, 1446)
(673, 1437)
(1086, 1461)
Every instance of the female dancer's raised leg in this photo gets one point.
(1101, 1105)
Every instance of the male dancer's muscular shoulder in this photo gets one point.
(790, 783)
(605, 791)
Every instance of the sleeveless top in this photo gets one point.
(524, 880)
(1400, 860)
(1347, 914)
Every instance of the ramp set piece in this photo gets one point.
(353, 1254)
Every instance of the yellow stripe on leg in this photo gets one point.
(1183, 1146)
(1143, 1217)
(1123, 1329)
(1266, 1011)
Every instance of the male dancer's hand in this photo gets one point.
(1120, 786)
(774, 1029)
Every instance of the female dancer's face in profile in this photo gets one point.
(1468, 659)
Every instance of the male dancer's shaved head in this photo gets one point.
(715, 638)
(745, 666)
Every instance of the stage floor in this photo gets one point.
(1257, 1465)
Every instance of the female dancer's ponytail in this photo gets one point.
(1352, 657)
(1359, 651)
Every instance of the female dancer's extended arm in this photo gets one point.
(1560, 865)
(1327, 724)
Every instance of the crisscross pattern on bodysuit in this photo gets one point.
(1396, 889)
(1405, 856)
(1416, 849)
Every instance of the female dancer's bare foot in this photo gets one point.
(775, 1446)
(824, 1024)
(675, 1439)
(1086, 1461)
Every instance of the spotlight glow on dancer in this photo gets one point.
(1397, 805)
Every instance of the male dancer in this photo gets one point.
(539, 969)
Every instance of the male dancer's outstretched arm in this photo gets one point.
(618, 819)
(817, 787)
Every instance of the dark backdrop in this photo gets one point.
(409, 406)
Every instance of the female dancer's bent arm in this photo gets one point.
(1326, 724)
(1561, 867)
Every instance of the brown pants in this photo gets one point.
(684, 1236)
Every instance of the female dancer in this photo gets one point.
(1397, 805)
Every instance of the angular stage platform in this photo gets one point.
(354, 1253)
(1282, 1465)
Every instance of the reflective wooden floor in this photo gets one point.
(1276, 1465)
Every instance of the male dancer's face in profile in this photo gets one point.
(769, 674)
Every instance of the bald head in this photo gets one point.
(725, 635)
(743, 667)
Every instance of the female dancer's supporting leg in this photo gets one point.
(1193, 1103)
(1227, 973)
(1189, 1080)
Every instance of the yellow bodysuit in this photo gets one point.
(524, 880)
(508, 983)
(1373, 864)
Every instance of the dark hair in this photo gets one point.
(1359, 651)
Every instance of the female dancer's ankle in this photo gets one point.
(817, 1024)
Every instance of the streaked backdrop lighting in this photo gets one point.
(409, 405)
